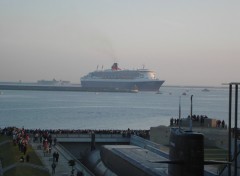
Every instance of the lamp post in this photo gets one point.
(191, 115)
(179, 114)
(230, 158)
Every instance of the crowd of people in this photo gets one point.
(174, 122)
(220, 124)
(197, 118)
(43, 134)
(21, 139)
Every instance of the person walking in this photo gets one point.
(53, 168)
(54, 141)
(57, 156)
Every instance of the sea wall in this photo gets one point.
(208, 123)
(213, 137)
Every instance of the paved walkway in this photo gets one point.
(62, 167)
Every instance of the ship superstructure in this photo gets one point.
(118, 79)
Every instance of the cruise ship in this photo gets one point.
(116, 79)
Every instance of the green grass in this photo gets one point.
(9, 154)
(4, 138)
(215, 154)
(25, 171)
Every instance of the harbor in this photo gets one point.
(81, 147)
(119, 88)
(122, 150)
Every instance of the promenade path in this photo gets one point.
(62, 167)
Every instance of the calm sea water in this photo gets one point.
(90, 110)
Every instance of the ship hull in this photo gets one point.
(122, 85)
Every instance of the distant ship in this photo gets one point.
(121, 80)
(53, 82)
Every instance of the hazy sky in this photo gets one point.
(187, 42)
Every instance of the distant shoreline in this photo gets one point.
(180, 86)
(79, 85)
(52, 87)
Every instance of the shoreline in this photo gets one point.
(73, 88)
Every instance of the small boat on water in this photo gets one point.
(158, 92)
(205, 90)
(184, 93)
(134, 89)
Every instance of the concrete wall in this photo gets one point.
(82, 149)
(208, 123)
(160, 134)
(79, 150)
(212, 136)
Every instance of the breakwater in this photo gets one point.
(41, 87)
(75, 88)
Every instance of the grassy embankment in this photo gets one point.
(10, 155)
(216, 154)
